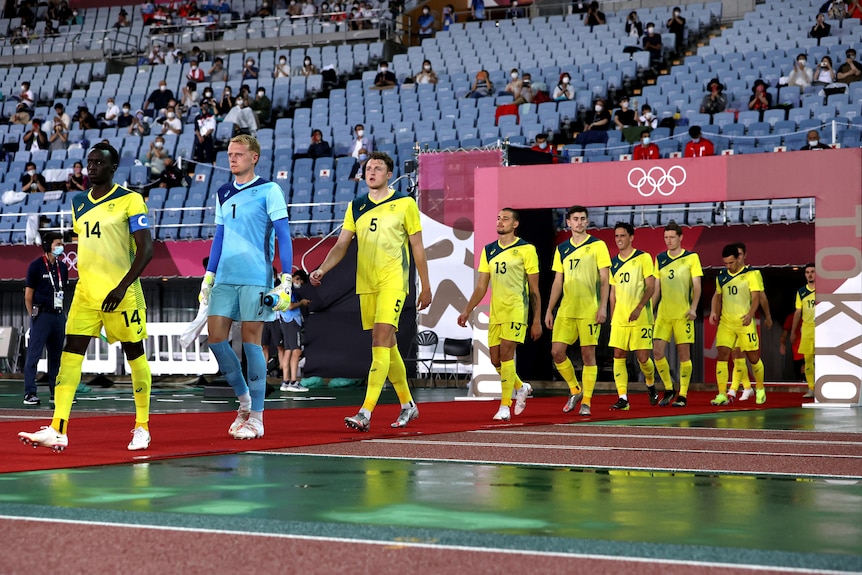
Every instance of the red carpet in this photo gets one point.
(102, 440)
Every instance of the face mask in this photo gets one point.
(194, 67)
(647, 115)
(427, 67)
(282, 61)
(813, 143)
(426, 11)
(125, 110)
(23, 88)
(801, 62)
(139, 116)
(308, 62)
(261, 94)
(296, 285)
(158, 144)
(110, 104)
(239, 101)
(208, 94)
(360, 133)
(565, 80)
(363, 157)
(598, 108)
(171, 115)
(543, 145)
(650, 29)
(514, 75)
(227, 92)
(162, 88)
(624, 105)
(249, 63)
(57, 251)
(383, 68)
(645, 141)
(31, 172)
(676, 12)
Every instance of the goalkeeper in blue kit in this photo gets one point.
(250, 213)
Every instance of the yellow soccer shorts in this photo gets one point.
(568, 330)
(510, 331)
(122, 325)
(742, 336)
(806, 341)
(682, 330)
(631, 337)
(381, 307)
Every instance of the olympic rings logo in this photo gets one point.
(71, 260)
(656, 179)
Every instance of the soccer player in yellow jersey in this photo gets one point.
(114, 247)
(737, 299)
(384, 222)
(679, 287)
(805, 313)
(740, 367)
(580, 267)
(511, 266)
(632, 286)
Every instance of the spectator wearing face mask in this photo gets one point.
(242, 117)
(634, 27)
(195, 74)
(108, 118)
(31, 180)
(262, 107)
(61, 116)
(698, 146)
(542, 146)
(124, 120)
(26, 96)
(59, 139)
(715, 101)
(35, 138)
(652, 44)
(821, 28)
(205, 125)
(527, 92)
(802, 75)
(597, 122)
(225, 103)
(647, 117)
(646, 150)
(564, 90)
(282, 70)
(357, 172)
(426, 75)
(814, 142)
(426, 24)
(676, 26)
(294, 8)
(361, 141)
(139, 126)
(760, 100)
(190, 98)
(513, 86)
(155, 157)
(625, 117)
(308, 68)
(384, 80)
(250, 71)
(171, 124)
(158, 99)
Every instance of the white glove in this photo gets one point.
(206, 288)
(280, 296)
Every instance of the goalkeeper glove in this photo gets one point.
(279, 298)
(206, 288)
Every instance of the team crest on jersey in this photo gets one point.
(111, 207)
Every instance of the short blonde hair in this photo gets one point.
(249, 142)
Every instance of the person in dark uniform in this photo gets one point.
(47, 279)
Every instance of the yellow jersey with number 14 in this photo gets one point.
(106, 246)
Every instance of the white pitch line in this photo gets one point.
(435, 546)
(604, 448)
(665, 437)
(412, 459)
